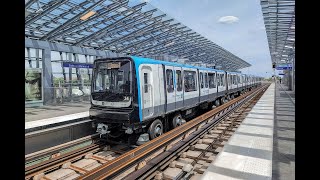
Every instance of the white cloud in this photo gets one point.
(228, 19)
(145, 1)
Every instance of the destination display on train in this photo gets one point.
(114, 65)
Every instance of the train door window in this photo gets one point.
(201, 80)
(214, 80)
(211, 80)
(169, 75)
(189, 81)
(179, 80)
(145, 75)
(206, 80)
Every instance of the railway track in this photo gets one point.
(200, 138)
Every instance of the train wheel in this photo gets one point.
(177, 120)
(217, 102)
(222, 100)
(155, 129)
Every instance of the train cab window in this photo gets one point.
(145, 78)
(201, 80)
(179, 80)
(212, 80)
(189, 81)
(206, 80)
(169, 75)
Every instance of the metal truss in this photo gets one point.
(279, 19)
(122, 26)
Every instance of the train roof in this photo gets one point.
(140, 60)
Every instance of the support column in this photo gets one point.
(47, 76)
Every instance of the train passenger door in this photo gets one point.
(204, 89)
(169, 74)
(178, 87)
(146, 81)
(212, 85)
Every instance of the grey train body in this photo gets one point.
(160, 94)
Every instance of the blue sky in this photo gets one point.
(243, 34)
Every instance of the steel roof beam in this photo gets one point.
(146, 40)
(87, 38)
(134, 32)
(46, 11)
(72, 20)
(115, 7)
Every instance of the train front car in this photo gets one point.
(114, 104)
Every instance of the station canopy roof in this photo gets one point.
(279, 20)
(123, 26)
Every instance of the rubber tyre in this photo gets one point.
(174, 122)
(217, 102)
(153, 132)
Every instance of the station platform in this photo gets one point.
(263, 145)
(45, 116)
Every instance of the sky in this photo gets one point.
(236, 25)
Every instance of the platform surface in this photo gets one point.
(50, 111)
(47, 115)
(283, 165)
(248, 153)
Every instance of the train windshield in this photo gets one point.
(112, 81)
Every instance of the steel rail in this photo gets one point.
(126, 160)
(58, 148)
(60, 160)
(164, 158)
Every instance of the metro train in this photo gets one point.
(132, 95)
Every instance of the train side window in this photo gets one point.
(169, 75)
(145, 75)
(189, 81)
(201, 80)
(179, 80)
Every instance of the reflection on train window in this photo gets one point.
(189, 81)
(206, 80)
(145, 75)
(211, 80)
(201, 80)
(169, 75)
(179, 80)
(221, 80)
